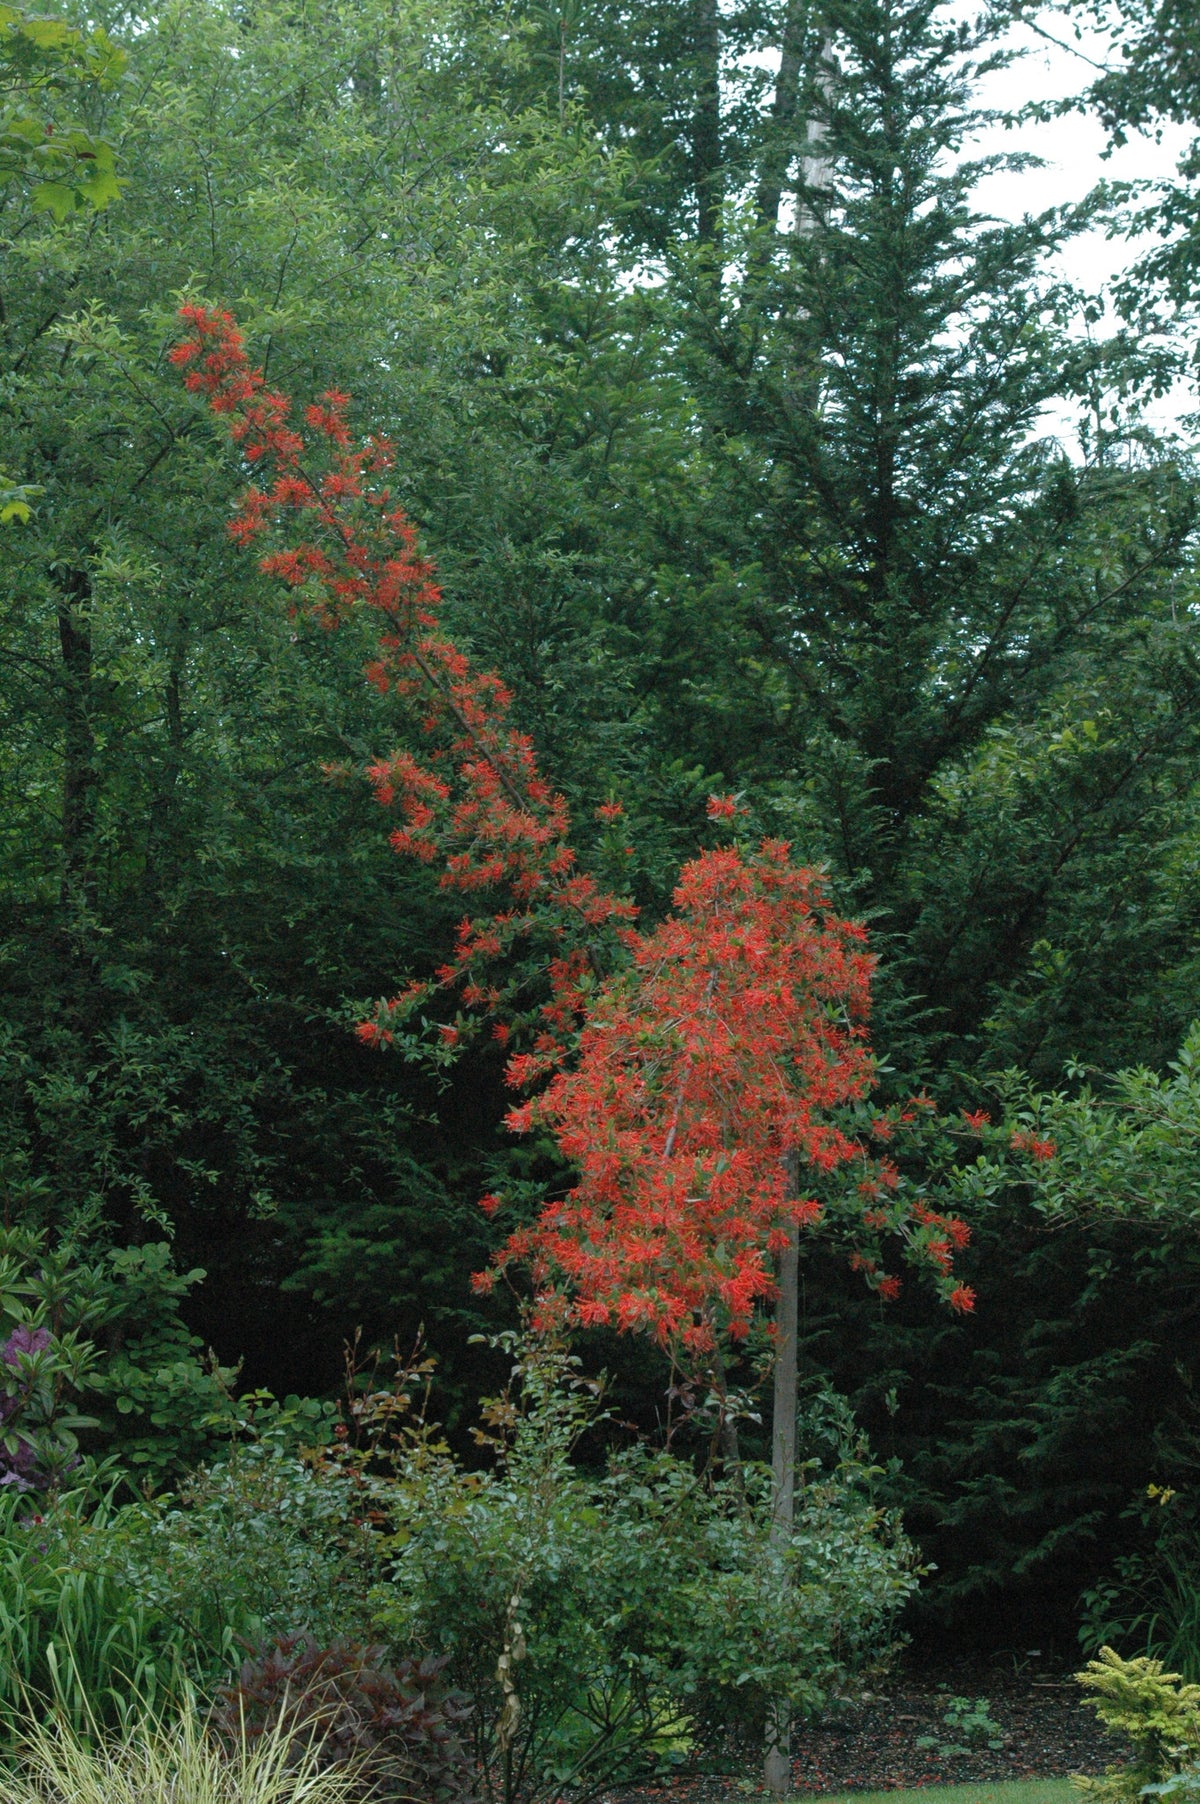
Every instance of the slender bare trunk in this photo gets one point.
(777, 1763)
(783, 1422)
(78, 888)
(814, 168)
(706, 123)
(781, 143)
(508, 1722)
(777, 153)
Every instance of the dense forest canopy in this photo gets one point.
(722, 403)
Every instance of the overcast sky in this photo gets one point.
(1073, 148)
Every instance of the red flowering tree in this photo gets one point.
(692, 1074)
(685, 1066)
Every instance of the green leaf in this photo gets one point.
(55, 198)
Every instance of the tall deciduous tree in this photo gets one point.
(1152, 52)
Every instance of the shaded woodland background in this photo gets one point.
(733, 457)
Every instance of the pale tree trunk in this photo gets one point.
(706, 123)
(795, 162)
(815, 166)
(782, 134)
(787, 90)
(777, 1763)
(78, 886)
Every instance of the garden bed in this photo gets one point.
(1046, 1731)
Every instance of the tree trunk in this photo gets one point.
(781, 144)
(814, 160)
(706, 123)
(777, 153)
(777, 1763)
(78, 887)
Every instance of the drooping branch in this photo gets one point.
(477, 804)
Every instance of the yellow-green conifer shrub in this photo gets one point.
(1160, 1714)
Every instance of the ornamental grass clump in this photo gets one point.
(103, 1602)
(167, 1759)
(77, 1636)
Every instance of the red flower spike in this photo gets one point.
(1022, 1142)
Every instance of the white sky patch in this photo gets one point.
(1074, 151)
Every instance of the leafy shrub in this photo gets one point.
(162, 1406)
(255, 1543)
(75, 1631)
(1152, 1598)
(736, 1625)
(106, 1330)
(344, 1706)
(98, 1601)
(42, 1371)
(156, 1756)
(1159, 1714)
(590, 1615)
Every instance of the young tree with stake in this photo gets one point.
(692, 1073)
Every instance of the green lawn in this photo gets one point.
(1009, 1791)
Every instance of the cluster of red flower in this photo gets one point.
(721, 1047)
(1022, 1142)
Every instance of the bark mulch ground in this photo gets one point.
(1045, 1729)
(1046, 1732)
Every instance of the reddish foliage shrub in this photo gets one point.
(395, 1724)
